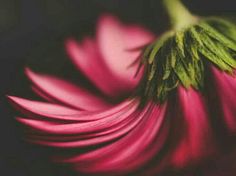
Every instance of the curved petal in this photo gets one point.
(88, 60)
(71, 132)
(89, 139)
(195, 134)
(42, 108)
(136, 134)
(108, 66)
(131, 151)
(105, 120)
(49, 111)
(117, 42)
(81, 127)
(42, 94)
(226, 89)
(66, 92)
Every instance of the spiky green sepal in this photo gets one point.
(179, 57)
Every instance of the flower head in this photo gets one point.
(174, 127)
(181, 56)
(72, 117)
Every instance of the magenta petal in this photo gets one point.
(110, 57)
(196, 134)
(42, 107)
(88, 60)
(89, 139)
(45, 110)
(42, 94)
(129, 152)
(226, 89)
(115, 122)
(66, 92)
(49, 111)
(115, 42)
(104, 123)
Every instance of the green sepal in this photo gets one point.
(180, 57)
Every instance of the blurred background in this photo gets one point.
(32, 33)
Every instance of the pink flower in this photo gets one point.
(122, 138)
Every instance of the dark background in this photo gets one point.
(29, 24)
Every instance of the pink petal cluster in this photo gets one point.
(122, 138)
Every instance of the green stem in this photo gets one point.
(179, 15)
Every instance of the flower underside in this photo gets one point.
(180, 57)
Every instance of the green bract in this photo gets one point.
(180, 57)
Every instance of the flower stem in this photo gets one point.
(179, 15)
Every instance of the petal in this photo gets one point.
(129, 152)
(43, 107)
(226, 88)
(76, 134)
(48, 111)
(88, 60)
(51, 111)
(100, 60)
(42, 94)
(91, 139)
(107, 121)
(193, 126)
(115, 42)
(66, 92)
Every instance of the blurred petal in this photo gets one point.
(196, 140)
(132, 150)
(47, 111)
(43, 110)
(88, 60)
(36, 106)
(104, 123)
(42, 94)
(66, 92)
(226, 89)
(124, 121)
(111, 58)
(117, 44)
